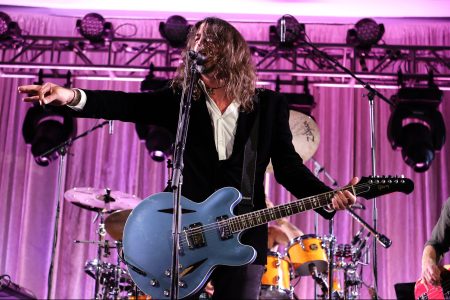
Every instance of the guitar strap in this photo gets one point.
(249, 165)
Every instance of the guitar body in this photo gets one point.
(147, 242)
(210, 233)
(424, 291)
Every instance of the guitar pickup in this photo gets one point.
(223, 228)
(195, 236)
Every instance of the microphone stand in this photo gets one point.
(318, 168)
(61, 149)
(177, 176)
(370, 95)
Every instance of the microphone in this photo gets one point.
(357, 236)
(318, 279)
(199, 58)
(384, 240)
(283, 30)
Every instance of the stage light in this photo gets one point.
(175, 31)
(366, 34)
(288, 33)
(151, 82)
(417, 126)
(44, 130)
(9, 30)
(94, 28)
(158, 141)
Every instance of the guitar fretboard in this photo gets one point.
(260, 217)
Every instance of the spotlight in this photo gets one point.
(417, 126)
(151, 82)
(175, 31)
(158, 140)
(94, 28)
(365, 34)
(288, 33)
(9, 30)
(45, 130)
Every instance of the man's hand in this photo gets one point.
(345, 199)
(47, 93)
(431, 273)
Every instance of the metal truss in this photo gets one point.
(128, 59)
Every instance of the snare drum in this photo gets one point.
(305, 250)
(276, 281)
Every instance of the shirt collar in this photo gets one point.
(233, 108)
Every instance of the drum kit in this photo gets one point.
(112, 280)
(308, 255)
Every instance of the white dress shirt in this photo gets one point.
(224, 125)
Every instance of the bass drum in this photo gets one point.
(276, 280)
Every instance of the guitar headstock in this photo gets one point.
(374, 186)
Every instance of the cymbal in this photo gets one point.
(101, 199)
(115, 223)
(305, 135)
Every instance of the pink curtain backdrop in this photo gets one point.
(28, 192)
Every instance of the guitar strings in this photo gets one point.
(213, 226)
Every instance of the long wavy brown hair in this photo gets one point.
(228, 60)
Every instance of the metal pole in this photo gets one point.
(62, 153)
(374, 200)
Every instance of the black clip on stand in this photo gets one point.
(370, 95)
(196, 60)
(61, 149)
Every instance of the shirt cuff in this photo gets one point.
(82, 103)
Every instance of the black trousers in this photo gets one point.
(237, 282)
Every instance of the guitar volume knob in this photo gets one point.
(166, 293)
(167, 273)
(154, 282)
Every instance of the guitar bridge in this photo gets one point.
(195, 236)
(223, 228)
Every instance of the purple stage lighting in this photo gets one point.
(365, 34)
(93, 27)
(175, 31)
(288, 32)
(9, 30)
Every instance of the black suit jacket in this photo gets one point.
(203, 172)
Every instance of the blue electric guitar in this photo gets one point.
(210, 233)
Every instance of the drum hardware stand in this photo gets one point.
(61, 149)
(101, 234)
(371, 96)
(101, 243)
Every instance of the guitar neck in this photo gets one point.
(264, 216)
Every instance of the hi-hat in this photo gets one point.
(305, 135)
(115, 223)
(101, 199)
